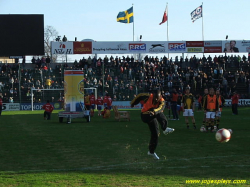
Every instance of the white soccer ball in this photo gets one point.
(203, 129)
(231, 131)
(223, 135)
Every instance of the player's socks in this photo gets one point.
(187, 126)
(212, 128)
(218, 123)
(207, 125)
(194, 125)
(204, 123)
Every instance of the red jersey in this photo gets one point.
(48, 107)
(105, 99)
(109, 103)
(92, 99)
(235, 99)
(99, 101)
(200, 99)
(1, 102)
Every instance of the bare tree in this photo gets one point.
(50, 34)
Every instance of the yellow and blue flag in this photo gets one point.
(126, 16)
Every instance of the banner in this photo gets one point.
(236, 46)
(11, 106)
(177, 47)
(62, 47)
(195, 43)
(213, 43)
(129, 47)
(242, 102)
(212, 49)
(110, 47)
(74, 90)
(125, 105)
(82, 47)
(151, 47)
(195, 49)
(38, 106)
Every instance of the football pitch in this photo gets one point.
(105, 152)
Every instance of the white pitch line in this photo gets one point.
(113, 166)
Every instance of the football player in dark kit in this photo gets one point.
(152, 113)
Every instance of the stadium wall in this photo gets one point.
(120, 104)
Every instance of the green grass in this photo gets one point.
(104, 152)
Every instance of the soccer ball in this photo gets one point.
(202, 129)
(223, 135)
(231, 131)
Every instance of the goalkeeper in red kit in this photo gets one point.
(48, 108)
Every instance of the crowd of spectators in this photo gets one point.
(124, 77)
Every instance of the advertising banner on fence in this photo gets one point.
(195, 43)
(177, 47)
(195, 49)
(62, 47)
(38, 106)
(128, 47)
(110, 47)
(242, 102)
(157, 47)
(212, 49)
(236, 46)
(213, 43)
(125, 105)
(82, 47)
(10, 106)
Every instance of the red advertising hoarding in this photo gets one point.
(82, 47)
(194, 43)
(212, 49)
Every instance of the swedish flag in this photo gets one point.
(126, 16)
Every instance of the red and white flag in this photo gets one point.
(165, 17)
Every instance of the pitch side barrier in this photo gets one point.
(122, 105)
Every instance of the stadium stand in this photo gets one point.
(124, 77)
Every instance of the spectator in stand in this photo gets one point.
(235, 101)
(48, 61)
(48, 83)
(236, 76)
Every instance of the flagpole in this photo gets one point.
(133, 23)
(167, 26)
(202, 24)
(167, 21)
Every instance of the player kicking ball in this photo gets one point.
(152, 113)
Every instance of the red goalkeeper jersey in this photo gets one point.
(48, 107)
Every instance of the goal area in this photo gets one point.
(53, 95)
